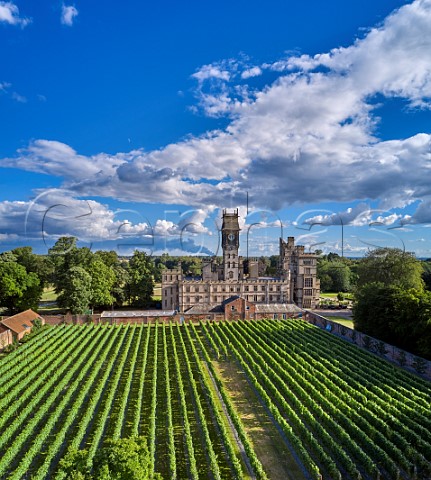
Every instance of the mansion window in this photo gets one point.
(255, 288)
(308, 282)
(197, 299)
(308, 293)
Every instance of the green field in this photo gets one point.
(49, 295)
(347, 322)
(304, 404)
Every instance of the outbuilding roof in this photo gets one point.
(277, 308)
(21, 322)
(137, 313)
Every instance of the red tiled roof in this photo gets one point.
(21, 322)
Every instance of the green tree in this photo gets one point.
(373, 310)
(395, 315)
(140, 284)
(390, 266)
(102, 283)
(37, 264)
(119, 289)
(426, 275)
(63, 256)
(19, 290)
(122, 459)
(76, 293)
(334, 274)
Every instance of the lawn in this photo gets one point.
(49, 295)
(347, 322)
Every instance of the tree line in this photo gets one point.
(84, 280)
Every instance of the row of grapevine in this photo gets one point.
(364, 414)
(321, 391)
(402, 423)
(234, 417)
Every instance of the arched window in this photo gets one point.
(230, 274)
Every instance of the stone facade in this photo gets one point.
(296, 281)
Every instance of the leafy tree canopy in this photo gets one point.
(140, 283)
(102, 283)
(76, 293)
(19, 290)
(122, 459)
(395, 315)
(390, 266)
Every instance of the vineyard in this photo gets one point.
(341, 412)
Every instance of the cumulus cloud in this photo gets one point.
(207, 72)
(251, 72)
(9, 13)
(68, 14)
(358, 216)
(56, 212)
(307, 137)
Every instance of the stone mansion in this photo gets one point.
(236, 277)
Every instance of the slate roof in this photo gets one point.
(203, 308)
(21, 322)
(277, 308)
(137, 313)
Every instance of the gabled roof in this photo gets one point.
(3, 329)
(21, 322)
(231, 299)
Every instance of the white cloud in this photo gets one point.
(251, 72)
(308, 137)
(68, 14)
(359, 216)
(9, 13)
(207, 72)
(57, 213)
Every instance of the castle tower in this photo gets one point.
(230, 244)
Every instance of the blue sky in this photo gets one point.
(132, 125)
